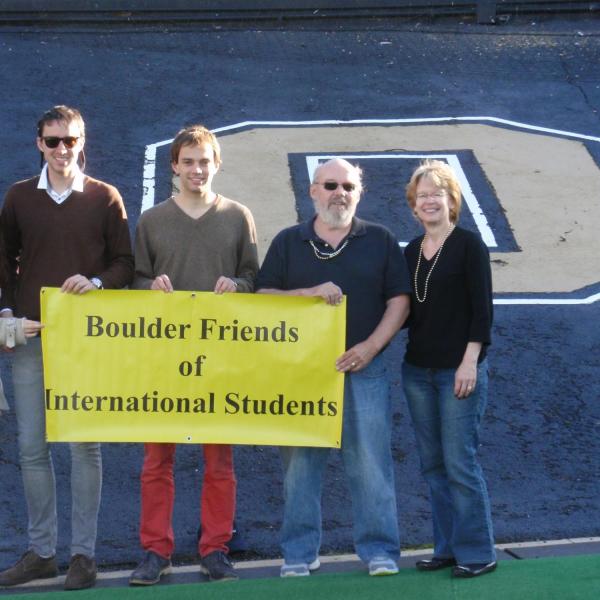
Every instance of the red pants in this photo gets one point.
(217, 504)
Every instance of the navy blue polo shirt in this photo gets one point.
(370, 270)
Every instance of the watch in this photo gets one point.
(97, 282)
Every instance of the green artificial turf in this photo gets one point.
(565, 578)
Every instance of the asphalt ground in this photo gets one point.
(137, 86)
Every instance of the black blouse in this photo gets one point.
(458, 308)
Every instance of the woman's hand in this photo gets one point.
(465, 378)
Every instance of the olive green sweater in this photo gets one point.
(194, 253)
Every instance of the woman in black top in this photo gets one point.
(445, 376)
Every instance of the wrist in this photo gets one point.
(374, 346)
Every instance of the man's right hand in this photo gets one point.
(162, 282)
(331, 293)
(31, 328)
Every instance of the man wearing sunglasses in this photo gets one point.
(61, 229)
(336, 254)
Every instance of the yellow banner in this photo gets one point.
(192, 367)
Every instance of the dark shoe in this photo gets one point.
(29, 567)
(150, 570)
(218, 567)
(435, 563)
(81, 574)
(474, 570)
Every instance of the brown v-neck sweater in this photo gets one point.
(47, 242)
(194, 253)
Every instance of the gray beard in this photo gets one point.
(335, 218)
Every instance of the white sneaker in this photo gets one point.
(382, 565)
(299, 569)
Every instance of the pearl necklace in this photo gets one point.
(437, 255)
(327, 255)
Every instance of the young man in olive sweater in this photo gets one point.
(197, 240)
(62, 229)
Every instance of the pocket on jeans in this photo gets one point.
(374, 370)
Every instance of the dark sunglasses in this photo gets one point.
(52, 142)
(333, 185)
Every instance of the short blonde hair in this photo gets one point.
(442, 176)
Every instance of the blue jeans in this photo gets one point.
(447, 432)
(366, 452)
(37, 469)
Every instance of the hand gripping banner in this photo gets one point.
(192, 367)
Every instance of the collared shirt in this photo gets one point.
(76, 186)
(370, 269)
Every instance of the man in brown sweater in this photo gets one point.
(63, 229)
(196, 240)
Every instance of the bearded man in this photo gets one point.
(336, 254)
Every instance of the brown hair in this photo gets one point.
(443, 177)
(61, 113)
(68, 115)
(194, 135)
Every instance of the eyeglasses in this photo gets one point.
(333, 185)
(435, 195)
(52, 142)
